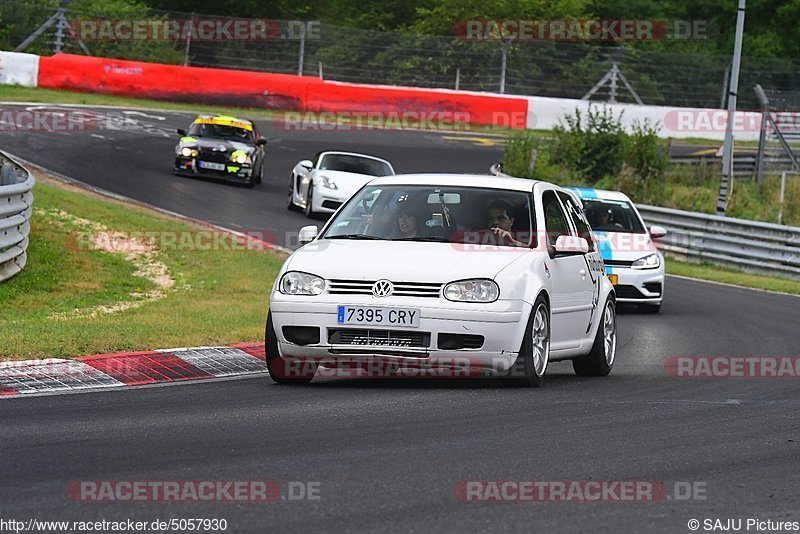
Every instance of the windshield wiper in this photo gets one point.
(354, 236)
(431, 238)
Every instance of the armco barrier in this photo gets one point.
(271, 91)
(18, 69)
(16, 200)
(305, 93)
(752, 246)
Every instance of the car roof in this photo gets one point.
(224, 118)
(601, 194)
(464, 180)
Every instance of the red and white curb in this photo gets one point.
(52, 375)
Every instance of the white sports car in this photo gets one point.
(633, 262)
(324, 184)
(472, 273)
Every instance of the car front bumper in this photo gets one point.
(233, 172)
(642, 286)
(328, 200)
(501, 324)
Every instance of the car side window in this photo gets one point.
(555, 220)
(578, 219)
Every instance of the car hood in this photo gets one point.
(623, 246)
(347, 181)
(401, 261)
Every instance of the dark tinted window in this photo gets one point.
(555, 221)
(578, 218)
(354, 164)
(221, 131)
(612, 216)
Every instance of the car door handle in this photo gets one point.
(583, 273)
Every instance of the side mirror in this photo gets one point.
(306, 164)
(657, 232)
(307, 234)
(568, 245)
(262, 141)
(181, 131)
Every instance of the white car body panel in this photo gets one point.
(574, 285)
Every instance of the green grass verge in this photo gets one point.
(58, 305)
(705, 271)
(15, 93)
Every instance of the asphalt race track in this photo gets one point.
(388, 453)
(134, 158)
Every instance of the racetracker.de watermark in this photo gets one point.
(348, 121)
(143, 241)
(61, 120)
(597, 30)
(576, 491)
(194, 29)
(192, 491)
(733, 366)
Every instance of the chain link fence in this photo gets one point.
(556, 69)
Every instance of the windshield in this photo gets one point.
(354, 164)
(612, 216)
(467, 215)
(221, 131)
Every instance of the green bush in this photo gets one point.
(589, 149)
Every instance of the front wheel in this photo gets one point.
(534, 354)
(600, 359)
(282, 371)
(290, 205)
(309, 209)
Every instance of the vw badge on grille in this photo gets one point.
(382, 288)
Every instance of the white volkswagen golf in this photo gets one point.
(469, 273)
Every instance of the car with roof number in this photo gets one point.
(221, 147)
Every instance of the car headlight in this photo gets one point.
(328, 182)
(653, 261)
(188, 152)
(478, 290)
(240, 157)
(297, 283)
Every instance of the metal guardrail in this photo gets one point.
(16, 201)
(751, 246)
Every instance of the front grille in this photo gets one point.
(380, 338)
(628, 292)
(401, 289)
(617, 263)
(212, 155)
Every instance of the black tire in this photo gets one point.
(260, 177)
(309, 209)
(596, 362)
(290, 205)
(528, 371)
(649, 308)
(277, 365)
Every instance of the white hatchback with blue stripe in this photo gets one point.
(634, 264)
